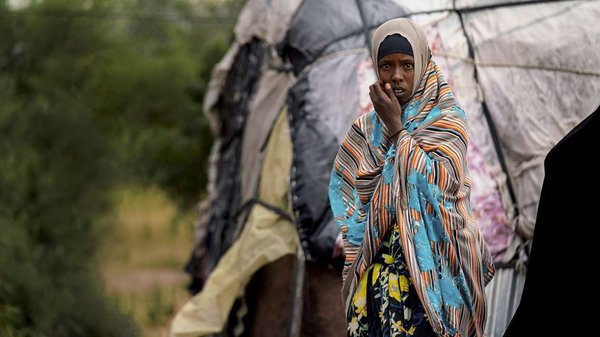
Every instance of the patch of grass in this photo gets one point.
(146, 245)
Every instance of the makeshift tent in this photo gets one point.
(525, 72)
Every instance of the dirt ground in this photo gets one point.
(146, 245)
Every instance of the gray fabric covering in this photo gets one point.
(310, 35)
(330, 97)
(321, 110)
(270, 97)
(232, 115)
(534, 108)
(489, 195)
(266, 20)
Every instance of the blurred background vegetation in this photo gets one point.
(103, 154)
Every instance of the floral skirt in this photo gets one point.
(385, 303)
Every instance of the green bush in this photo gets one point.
(54, 173)
(91, 96)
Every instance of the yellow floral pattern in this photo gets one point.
(385, 303)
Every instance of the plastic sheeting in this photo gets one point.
(310, 37)
(270, 97)
(429, 6)
(216, 84)
(489, 196)
(266, 20)
(266, 238)
(320, 108)
(232, 113)
(536, 88)
(503, 294)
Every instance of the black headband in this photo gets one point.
(394, 43)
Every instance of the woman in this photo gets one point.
(416, 263)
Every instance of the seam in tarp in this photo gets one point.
(281, 69)
(363, 20)
(511, 4)
(221, 226)
(367, 29)
(492, 6)
(522, 66)
(251, 202)
(329, 57)
(491, 124)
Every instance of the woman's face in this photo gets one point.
(398, 69)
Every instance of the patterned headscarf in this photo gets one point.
(422, 184)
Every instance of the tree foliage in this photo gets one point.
(92, 93)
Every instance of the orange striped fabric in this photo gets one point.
(422, 184)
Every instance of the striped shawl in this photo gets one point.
(421, 182)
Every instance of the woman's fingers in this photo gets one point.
(379, 92)
(372, 92)
(390, 92)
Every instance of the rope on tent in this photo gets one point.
(491, 125)
(511, 4)
(251, 202)
(365, 27)
(522, 66)
(490, 6)
(332, 56)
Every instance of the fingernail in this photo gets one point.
(388, 86)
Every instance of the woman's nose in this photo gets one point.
(397, 75)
